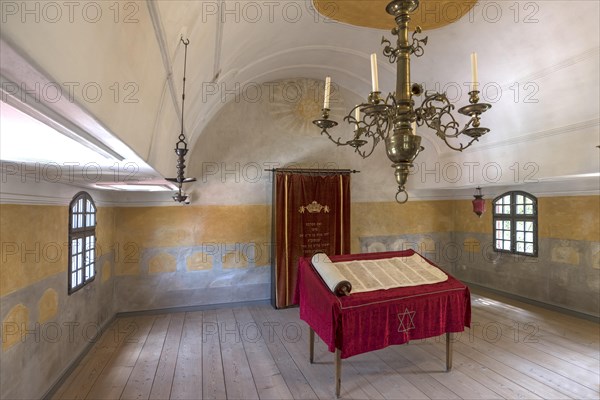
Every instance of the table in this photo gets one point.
(362, 322)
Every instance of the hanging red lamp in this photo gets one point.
(478, 203)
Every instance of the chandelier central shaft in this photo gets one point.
(394, 119)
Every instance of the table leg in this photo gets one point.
(448, 351)
(311, 344)
(338, 372)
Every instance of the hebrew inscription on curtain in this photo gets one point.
(312, 214)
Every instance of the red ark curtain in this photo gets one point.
(312, 214)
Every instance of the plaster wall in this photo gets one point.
(43, 328)
(195, 255)
(566, 272)
(161, 257)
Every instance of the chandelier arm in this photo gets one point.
(337, 142)
(363, 154)
(432, 115)
(416, 47)
(391, 119)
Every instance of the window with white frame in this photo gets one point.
(515, 223)
(82, 241)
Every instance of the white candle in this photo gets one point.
(474, 78)
(327, 92)
(413, 125)
(357, 115)
(374, 77)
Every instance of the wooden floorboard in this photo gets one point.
(165, 370)
(513, 350)
(187, 379)
(213, 378)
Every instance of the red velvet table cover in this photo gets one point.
(369, 321)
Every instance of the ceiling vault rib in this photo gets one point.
(164, 53)
(218, 45)
(590, 54)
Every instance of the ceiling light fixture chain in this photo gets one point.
(181, 147)
(394, 119)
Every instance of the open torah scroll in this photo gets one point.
(368, 275)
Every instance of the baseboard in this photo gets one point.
(194, 308)
(73, 364)
(537, 303)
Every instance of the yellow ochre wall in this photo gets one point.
(34, 238)
(35, 242)
(573, 217)
(387, 219)
(35, 307)
(166, 227)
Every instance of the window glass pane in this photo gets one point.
(528, 200)
(529, 226)
(506, 235)
(520, 247)
(520, 225)
(519, 199)
(499, 244)
(73, 280)
(529, 248)
(507, 225)
(79, 277)
(520, 236)
(528, 209)
(93, 220)
(520, 209)
(80, 205)
(529, 237)
(506, 199)
(506, 245)
(506, 210)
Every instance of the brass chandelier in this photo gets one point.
(395, 118)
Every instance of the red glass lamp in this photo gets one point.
(478, 203)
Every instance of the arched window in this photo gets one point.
(82, 241)
(515, 223)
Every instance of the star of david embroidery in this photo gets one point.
(406, 320)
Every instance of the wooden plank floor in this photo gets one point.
(513, 351)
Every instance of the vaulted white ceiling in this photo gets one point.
(120, 66)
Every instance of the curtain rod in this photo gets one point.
(316, 170)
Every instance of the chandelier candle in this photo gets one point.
(374, 75)
(327, 92)
(474, 79)
(392, 119)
